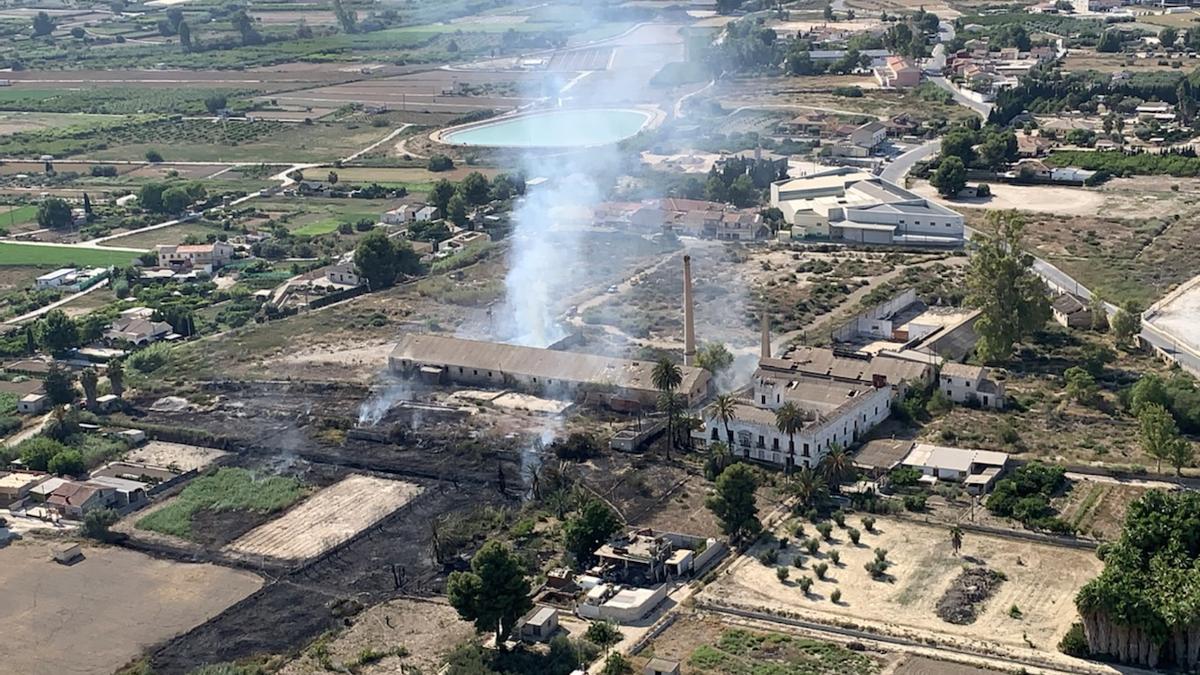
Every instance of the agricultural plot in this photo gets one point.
(175, 456)
(16, 122)
(61, 256)
(232, 498)
(1041, 583)
(94, 597)
(430, 91)
(326, 519)
(13, 216)
(174, 234)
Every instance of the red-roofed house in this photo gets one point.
(73, 499)
(898, 72)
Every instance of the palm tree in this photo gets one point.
(725, 410)
(666, 378)
(116, 376)
(806, 485)
(836, 467)
(670, 404)
(956, 538)
(719, 459)
(789, 419)
(89, 381)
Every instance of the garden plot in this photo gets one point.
(326, 519)
(1041, 584)
(175, 456)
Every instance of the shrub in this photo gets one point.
(769, 557)
(798, 562)
(1075, 643)
(153, 156)
(868, 523)
(812, 546)
(881, 554)
(826, 530)
(835, 557)
(820, 569)
(914, 502)
(840, 518)
(854, 535)
(836, 596)
(150, 359)
(782, 573)
(804, 583)
(97, 522)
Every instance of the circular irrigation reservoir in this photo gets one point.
(562, 128)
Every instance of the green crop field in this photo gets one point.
(318, 228)
(60, 256)
(229, 489)
(17, 215)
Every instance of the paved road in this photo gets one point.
(898, 168)
(981, 109)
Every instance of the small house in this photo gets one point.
(539, 625)
(33, 404)
(427, 213)
(976, 470)
(1072, 311)
(108, 403)
(962, 383)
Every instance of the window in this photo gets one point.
(764, 400)
(774, 443)
(474, 372)
(715, 437)
(761, 442)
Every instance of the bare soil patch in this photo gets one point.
(89, 603)
(426, 629)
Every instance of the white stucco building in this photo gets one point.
(848, 204)
(966, 384)
(842, 398)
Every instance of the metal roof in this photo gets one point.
(547, 364)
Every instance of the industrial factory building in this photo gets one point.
(617, 382)
(840, 396)
(847, 204)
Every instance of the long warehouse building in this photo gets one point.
(569, 375)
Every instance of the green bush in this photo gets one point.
(150, 359)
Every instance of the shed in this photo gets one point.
(66, 553)
(32, 404)
(661, 666)
(108, 402)
(133, 436)
(539, 625)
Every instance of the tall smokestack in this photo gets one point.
(689, 327)
(765, 352)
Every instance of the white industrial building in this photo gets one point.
(842, 397)
(848, 204)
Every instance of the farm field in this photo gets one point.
(1041, 581)
(233, 491)
(318, 228)
(174, 234)
(93, 596)
(435, 90)
(246, 142)
(60, 256)
(15, 122)
(1080, 60)
(326, 519)
(12, 216)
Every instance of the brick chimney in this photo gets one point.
(689, 327)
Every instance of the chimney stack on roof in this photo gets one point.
(689, 328)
